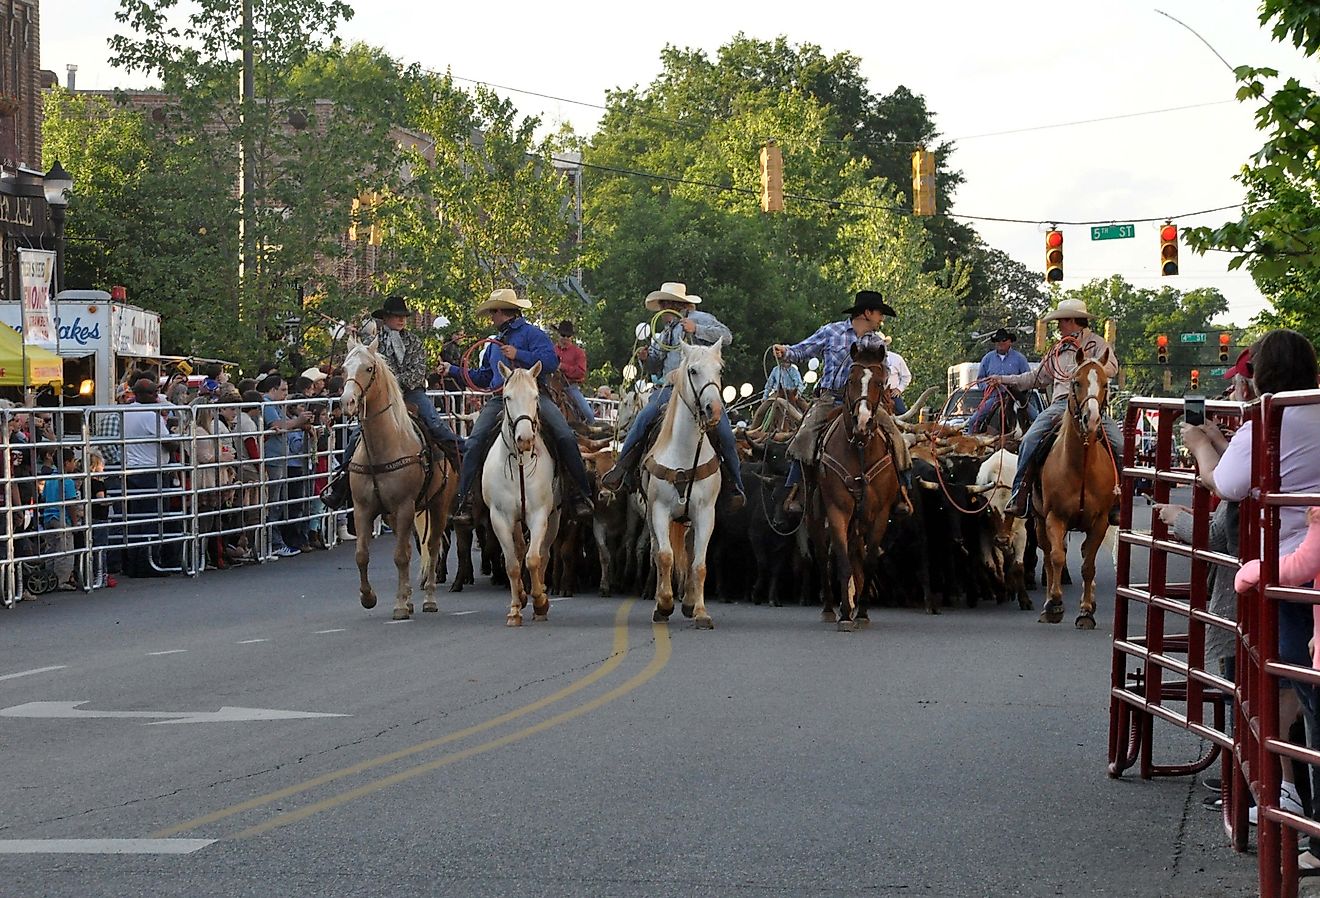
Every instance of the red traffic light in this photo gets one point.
(1053, 239)
(1162, 340)
(1169, 232)
(1053, 256)
(1225, 339)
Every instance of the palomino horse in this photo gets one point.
(681, 479)
(856, 485)
(519, 487)
(1076, 489)
(390, 474)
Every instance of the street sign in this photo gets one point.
(1217, 372)
(1113, 232)
(1192, 338)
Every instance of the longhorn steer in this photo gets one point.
(1004, 541)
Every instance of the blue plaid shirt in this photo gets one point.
(830, 344)
(789, 378)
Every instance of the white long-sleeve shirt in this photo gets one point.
(899, 375)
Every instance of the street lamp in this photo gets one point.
(58, 184)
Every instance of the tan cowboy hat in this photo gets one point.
(1069, 308)
(883, 336)
(505, 299)
(671, 290)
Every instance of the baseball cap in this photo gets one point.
(1242, 366)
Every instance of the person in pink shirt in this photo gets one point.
(1297, 568)
(573, 365)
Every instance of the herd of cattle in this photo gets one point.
(968, 551)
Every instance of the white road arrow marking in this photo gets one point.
(49, 710)
(103, 846)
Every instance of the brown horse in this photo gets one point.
(1076, 490)
(391, 474)
(856, 487)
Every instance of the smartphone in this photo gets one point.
(1194, 410)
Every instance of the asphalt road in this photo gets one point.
(596, 755)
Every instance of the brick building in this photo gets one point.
(20, 84)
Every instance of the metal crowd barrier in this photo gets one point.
(1159, 668)
(179, 486)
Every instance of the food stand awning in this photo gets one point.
(44, 366)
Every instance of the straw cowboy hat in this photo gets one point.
(505, 299)
(883, 336)
(1069, 308)
(314, 374)
(671, 290)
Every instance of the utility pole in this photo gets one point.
(247, 199)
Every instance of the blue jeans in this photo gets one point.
(431, 420)
(1041, 427)
(724, 442)
(555, 429)
(990, 408)
(574, 393)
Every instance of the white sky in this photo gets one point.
(982, 67)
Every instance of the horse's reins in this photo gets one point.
(703, 428)
(514, 450)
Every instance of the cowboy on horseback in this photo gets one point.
(1056, 372)
(662, 356)
(833, 343)
(524, 344)
(1003, 359)
(405, 353)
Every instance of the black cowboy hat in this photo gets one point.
(1003, 334)
(866, 300)
(566, 328)
(394, 305)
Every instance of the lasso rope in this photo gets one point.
(467, 374)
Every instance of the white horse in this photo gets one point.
(520, 489)
(682, 480)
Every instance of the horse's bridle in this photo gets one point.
(513, 428)
(1075, 405)
(877, 368)
(696, 406)
(362, 394)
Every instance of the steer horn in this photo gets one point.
(915, 408)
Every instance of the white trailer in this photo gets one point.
(95, 331)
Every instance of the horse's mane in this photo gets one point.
(397, 411)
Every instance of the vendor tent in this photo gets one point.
(43, 365)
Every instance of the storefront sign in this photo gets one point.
(35, 269)
(136, 331)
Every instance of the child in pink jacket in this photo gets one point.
(1298, 567)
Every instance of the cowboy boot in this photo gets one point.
(462, 514)
(582, 507)
(902, 506)
(623, 465)
(1017, 503)
(791, 508)
(335, 494)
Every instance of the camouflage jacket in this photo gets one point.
(411, 369)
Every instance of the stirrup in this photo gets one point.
(462, 514)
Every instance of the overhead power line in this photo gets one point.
(856, 204)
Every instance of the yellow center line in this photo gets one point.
(657, 663)
(618, 652)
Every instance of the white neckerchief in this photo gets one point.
(394, 339)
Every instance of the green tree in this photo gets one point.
(1277, 235)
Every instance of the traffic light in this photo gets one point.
(1196, 379)
(923, 182)
(772, 178)
(1224, 340)
(1168, 249)
(1053, 256)
(1162, 349)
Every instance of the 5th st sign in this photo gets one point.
(1113, 232)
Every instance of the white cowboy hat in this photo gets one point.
(671, 290)
(1069, 308)
(505, 299)
(314, 374)
(883, 336)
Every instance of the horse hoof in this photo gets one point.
(661, 617)
(457, 586)
(540, 618)
(846, 626)
(1085, 621)
(705, 623)
(1026, 605)
(410, 607)
(688, 610)
(513, 620)
(863, 623)
(368, 600)
(428, 607)
(827, 617)
(1052, 614)
(402, 613)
